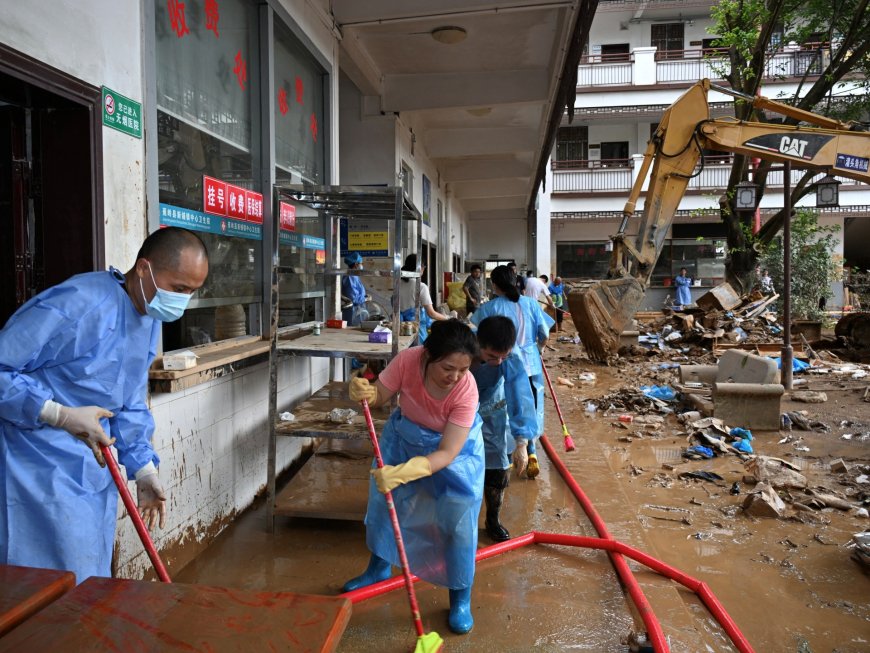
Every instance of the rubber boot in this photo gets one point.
(460, 619)
(378, 570)
(494, 483)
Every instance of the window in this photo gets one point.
(299, 87)
(703, 258)
(669, 40)
(572, 143)
(582, 260)
(408, 181)
(615, 52)
(206, 97)
(614, 154)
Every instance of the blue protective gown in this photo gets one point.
(533, 326)
(437, 514)
(684, 293)
(79, 343)
(507, 408)
(352, 287)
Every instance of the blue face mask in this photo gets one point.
(165, 306)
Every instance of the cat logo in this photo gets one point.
(792, 146)
(804, 146)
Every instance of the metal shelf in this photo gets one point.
(353, 201)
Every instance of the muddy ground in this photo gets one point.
(788, 583)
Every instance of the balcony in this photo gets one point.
(649, 66)
(617, 176)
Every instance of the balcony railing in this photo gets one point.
(616, 176)
(617, 70)
(694, 64)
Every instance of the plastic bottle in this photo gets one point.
(628, 419)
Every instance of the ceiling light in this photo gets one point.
(449, 34)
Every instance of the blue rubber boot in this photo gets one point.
(460, 619)
(378, 570)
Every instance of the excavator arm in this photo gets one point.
(601, 309)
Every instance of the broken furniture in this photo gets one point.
(745, 388)
(24, 591)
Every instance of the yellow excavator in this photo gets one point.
(602, 309)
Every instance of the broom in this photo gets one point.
(569, 442)
(426, 642)
(162, 574)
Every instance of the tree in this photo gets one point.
(813, 267)
(753, 31)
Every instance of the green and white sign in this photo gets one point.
(122, 113)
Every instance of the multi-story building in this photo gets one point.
(641, 57)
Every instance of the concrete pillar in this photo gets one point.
(644, 66)
(543, 229)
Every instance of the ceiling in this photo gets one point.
(482, 107)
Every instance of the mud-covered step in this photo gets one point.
(333, 484)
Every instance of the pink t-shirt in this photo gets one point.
(404, 374)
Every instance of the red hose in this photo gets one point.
(133, 511)
(615, 549)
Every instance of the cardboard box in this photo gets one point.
(336, 324)
(179, 360)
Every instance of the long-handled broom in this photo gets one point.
(162, 574)
(569, 442)
(426, 642)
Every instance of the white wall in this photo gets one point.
(367, 154)
(98, 43)
(502, 239)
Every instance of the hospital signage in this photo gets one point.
(223, 199)
(176, 216)
(287, 216)
(296, 239)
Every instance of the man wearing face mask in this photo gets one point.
(73, 371)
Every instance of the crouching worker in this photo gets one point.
(507, 408)
(433, 465)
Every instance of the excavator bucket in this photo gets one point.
(601, 310)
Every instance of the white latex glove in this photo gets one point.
(521, 456)
(151, 499)
(82, 422)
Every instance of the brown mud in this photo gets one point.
(789, 583)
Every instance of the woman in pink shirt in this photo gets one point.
(433, 455)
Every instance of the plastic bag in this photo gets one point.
(738, 432)
(661, 392)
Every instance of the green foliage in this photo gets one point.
(813, 264)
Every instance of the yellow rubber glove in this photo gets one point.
(360, 389)
(392, 476)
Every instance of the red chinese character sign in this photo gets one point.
(236, 202)
(241, 70)
(176, 17)
(287, 213)
(253, 207)
(283, 107)
(212, 16)
(214, 196)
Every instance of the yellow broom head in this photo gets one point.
(429, 643)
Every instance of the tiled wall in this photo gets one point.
(212, 441)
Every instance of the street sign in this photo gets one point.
(122, 113)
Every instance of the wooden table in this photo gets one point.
(105, 614)
(24, 591)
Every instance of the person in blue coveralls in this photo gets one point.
(433, 464)
(507, 408)
(683, 282)
(533, 330)
(353, 291)
(73, 371)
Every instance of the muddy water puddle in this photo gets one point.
(786, 583)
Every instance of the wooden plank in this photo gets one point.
(228, 352)
(311, 414)
(341, 343)
(106, 614)
(333, 484)
(24, 591)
